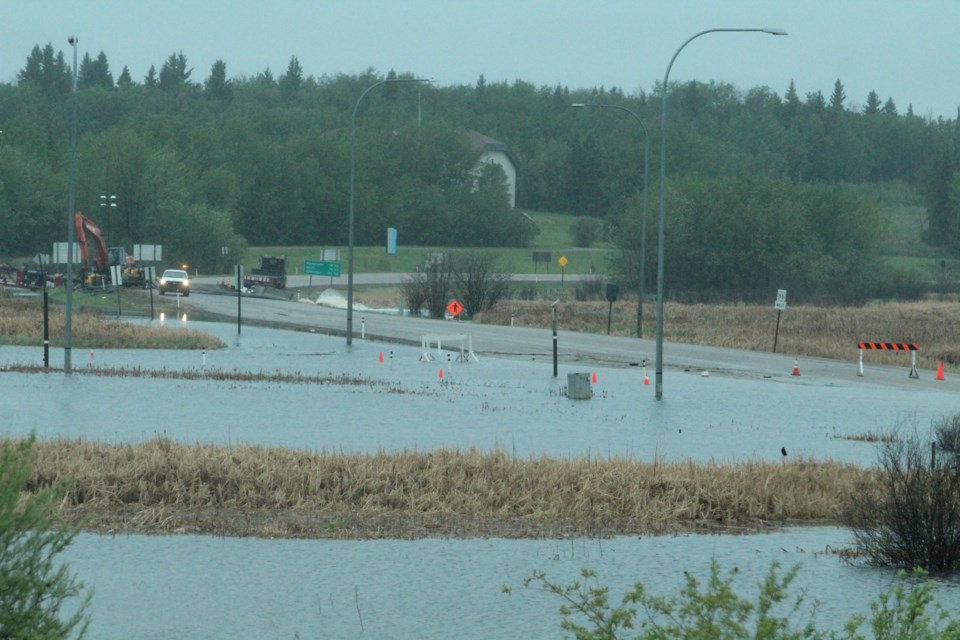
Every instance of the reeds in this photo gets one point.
(163, 486)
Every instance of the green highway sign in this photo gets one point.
(321, 268)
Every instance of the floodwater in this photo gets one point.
(208, 587)
(190, 586)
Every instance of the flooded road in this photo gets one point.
(189, 586)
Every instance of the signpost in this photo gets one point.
(455, 308)
(321, 268)
(779, 305)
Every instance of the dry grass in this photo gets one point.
(826, 332)
(21, 323)
(162, 486)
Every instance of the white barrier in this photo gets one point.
(463, 340)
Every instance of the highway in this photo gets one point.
(537, 343)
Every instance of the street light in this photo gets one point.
(663, 175)
(71, 205)
(643, 224)
(353, 163)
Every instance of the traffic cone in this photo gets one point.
(796, 367)
(441, 375)
(940, 370)
(646, 378)
(381, 356)
(594, 378)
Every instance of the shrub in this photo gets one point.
(714, 611)
(590, 288)
(32, 589)
(585, 231)
(911, 517)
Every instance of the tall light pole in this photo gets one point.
(643, 223)
(71, 205)
(353, 171)
(663, 176)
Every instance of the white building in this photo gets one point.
(497, 152)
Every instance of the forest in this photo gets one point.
(758, 189)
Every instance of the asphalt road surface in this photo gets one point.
(537, 343)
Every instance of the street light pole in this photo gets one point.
(353, 171)
(663, 175)
(643, 223)
(71, 205)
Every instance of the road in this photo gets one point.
(537, 343)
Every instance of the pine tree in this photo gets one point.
(837, 97)
(217, 87)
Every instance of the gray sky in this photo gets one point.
(904, 49)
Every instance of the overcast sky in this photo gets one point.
(902, 49)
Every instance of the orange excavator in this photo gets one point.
(95, 272)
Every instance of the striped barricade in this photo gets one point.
(891, 346)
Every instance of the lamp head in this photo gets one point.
(72, 40)
(774, 31)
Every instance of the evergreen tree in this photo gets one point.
(174, 74)
(837, 97)
(291, 81)
(791, 103)
(889, 108)
(95, 73)
(217, 87)
(150, 80)
(124, 80)
(266, 78)
(873, 104)
(47, 70)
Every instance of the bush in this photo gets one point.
(585, 231)
(715, 612)
(33, 590)
(590, 287)
(911, 518)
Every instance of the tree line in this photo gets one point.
(198, 164)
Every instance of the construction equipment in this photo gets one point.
(92, 271)
(271, 273)
(97, 270)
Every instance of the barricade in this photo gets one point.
(463, 340)
(891, 346)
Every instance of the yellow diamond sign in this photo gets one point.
(563, 261)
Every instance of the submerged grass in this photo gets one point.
(21, 324)
(162, 486)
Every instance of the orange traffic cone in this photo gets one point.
(646, 378)
(796, 367)
(381, 356)
(940, 370)
(441, 375)
(594, 378)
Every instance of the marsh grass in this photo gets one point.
(21, 324)
(162, 486)
(824, 332)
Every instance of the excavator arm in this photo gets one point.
(84, 227)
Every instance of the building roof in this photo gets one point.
(487, 144)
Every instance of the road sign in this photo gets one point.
(455, 308)
(563, 261)
(781, 302)
(321, 268)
